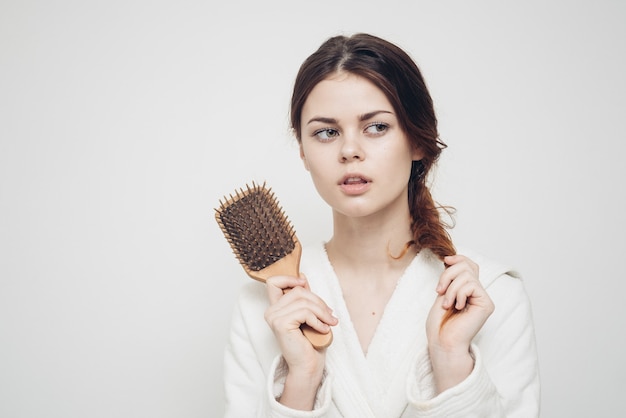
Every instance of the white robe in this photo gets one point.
(394, 379)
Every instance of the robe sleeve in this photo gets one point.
(505, 380)
(275, 385)
(254, 371)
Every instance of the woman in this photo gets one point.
(414, 325)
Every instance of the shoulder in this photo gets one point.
(251, 342)
(249, 314)
(502, 282)
(252, 297)
(505, 286)
(512, 319)
(252, 289)
(318, 270)
(490, 270)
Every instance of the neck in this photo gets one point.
(370, 245)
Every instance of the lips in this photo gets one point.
(354, 179)
(355, 184)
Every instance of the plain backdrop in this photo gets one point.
(122, 124)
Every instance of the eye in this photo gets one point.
(326, 134)
(377, 128)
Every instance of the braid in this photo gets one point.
(429, 231)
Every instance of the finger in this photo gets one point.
(299, 298)
(453, 291)
(472, 294)
(277, 285)
(446, 278)
(316, 323)
(302, 311)
(459, 258)
(458, 265)
(304, 291)
(462, 296)
(453, 259)
(462, 262)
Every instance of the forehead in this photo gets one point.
(345, 93)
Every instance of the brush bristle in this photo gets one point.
(256, 227)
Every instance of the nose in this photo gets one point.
(351, 149)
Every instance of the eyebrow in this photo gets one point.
(370, 115)
(363, 117)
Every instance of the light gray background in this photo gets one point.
(123, 122)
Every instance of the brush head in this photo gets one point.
(256, 228)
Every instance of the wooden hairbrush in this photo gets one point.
(263, 240)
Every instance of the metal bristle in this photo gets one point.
(256, 226)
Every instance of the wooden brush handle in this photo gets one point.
(290, 265)
(317, 339)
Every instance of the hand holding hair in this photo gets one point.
(450, 336)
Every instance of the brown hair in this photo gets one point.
(394, 72)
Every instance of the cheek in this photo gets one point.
(399, 164)
(316, 168)
(315, 160)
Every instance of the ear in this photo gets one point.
(303, 158)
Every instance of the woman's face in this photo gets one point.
(352, 144)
